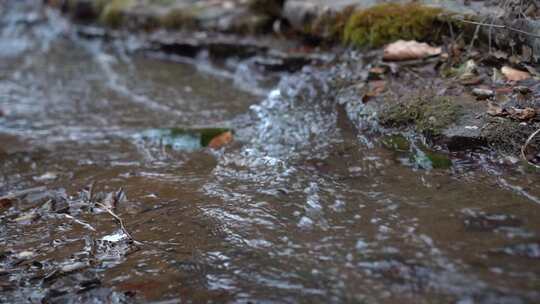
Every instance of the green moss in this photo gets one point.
(429, 115)
(438, 160)
(508, 135)
(396, 142)
(388, 22)
(114, 12)
(425, 158)
(418, 154)
(179, 18)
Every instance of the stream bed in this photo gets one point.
(302, 207)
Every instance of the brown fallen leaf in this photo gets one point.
(221, 140)
(496, 110)
(376, 87)
(5, 203)
(409, 50)
(522, 114)
(504, 90)
(377, 70)
(514, 75)
(521, 90)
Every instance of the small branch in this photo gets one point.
(119, 219)
(128, 234)
(503, 27)
(475, 36)
(84, 224)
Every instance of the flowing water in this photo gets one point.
(303, 206)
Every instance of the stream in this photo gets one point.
(302, 207)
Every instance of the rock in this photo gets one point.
(48, 176)
(463, 137)
(218, 46)
(429, 115)
(490, 222)
(522, 90)
(84, 10)
(224, 16)
(320, 17)
(481, 93)
(279, 61)
(24, 255)
(529, 250)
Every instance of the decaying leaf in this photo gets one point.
(376, 87)
(221, 140)
(521, 90)
(514, 75)
(522, 114)
(409, 50)
(503, 90)
(514, 113)
(376, 71)
(5, 203)
(496, 110)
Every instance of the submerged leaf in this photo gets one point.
(182, 139)
(5, 203)
(376, 87)
(221, 140)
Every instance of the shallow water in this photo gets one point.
(304, 206)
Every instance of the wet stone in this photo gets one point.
(490, 222)
(529, 250)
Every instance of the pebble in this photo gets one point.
(483, 93)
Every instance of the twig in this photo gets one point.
(119, 219)
(475, 36)
(504, 27)
(22, 193)
(524, 147)
(518, 190)
(126, 232)
(84, 224)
